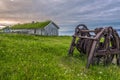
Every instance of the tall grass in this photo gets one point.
(27, 57)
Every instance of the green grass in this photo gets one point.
(28, 57)
(31, 25)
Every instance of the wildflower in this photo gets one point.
(100, 72)
(78, 74)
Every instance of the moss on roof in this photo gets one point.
(34, 25)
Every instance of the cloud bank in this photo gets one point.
(66, 13)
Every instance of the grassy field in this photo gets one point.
(25, 57)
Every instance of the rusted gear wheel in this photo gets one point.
(81, 44)
(81, 27)
(78, 43)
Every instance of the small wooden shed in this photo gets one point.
(48, 28)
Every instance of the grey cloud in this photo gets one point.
(63, 12)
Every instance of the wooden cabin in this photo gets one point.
(49, 29)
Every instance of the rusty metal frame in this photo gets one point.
(91, 46)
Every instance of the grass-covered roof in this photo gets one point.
(33, 25)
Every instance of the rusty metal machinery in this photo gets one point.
(103, 46)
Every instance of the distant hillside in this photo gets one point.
(30, 25)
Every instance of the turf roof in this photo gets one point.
(34, 25)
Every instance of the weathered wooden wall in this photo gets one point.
(49, 30)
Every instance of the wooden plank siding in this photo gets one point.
(49, 30)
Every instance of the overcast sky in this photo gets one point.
(64, 12)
